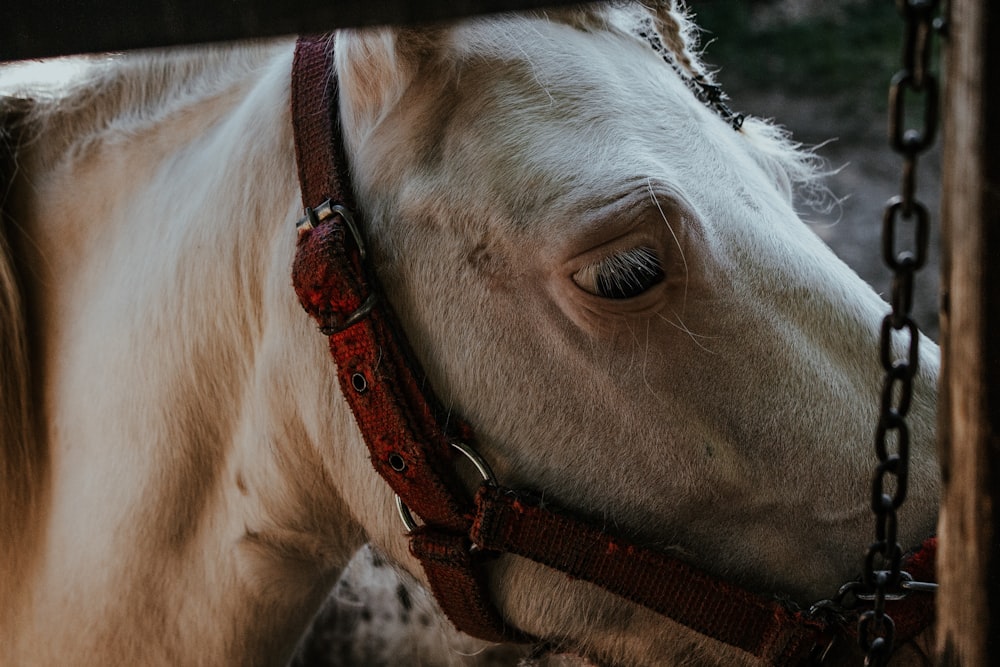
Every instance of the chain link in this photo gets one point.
(899, 346)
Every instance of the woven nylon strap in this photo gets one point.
(512, 522)
(374, 364)
(400, 421)
(515, 523)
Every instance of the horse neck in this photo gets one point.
(185, 396)
(19, 463)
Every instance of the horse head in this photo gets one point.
(598, 266)
(612, 285)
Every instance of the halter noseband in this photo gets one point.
(414, 448)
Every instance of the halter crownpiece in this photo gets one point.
(708, 92)
(404, 428)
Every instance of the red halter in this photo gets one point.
(414, 448)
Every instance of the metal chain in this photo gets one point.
(899, 351)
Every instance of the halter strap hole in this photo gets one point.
(397, 463)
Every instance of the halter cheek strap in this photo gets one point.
(413, 445)
(394, 409)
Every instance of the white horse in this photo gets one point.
(182, 482)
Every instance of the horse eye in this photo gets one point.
(622, 276)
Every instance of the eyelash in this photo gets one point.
(622, 276)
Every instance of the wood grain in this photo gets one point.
(969, 408)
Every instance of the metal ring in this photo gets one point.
(405, 515)
(314, 216)
(481, 466)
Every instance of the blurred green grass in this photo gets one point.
(849, 49)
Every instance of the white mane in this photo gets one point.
(78, 101)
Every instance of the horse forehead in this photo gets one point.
(569, 76)
(577, 114)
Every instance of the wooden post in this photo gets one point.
(968, 631)
(43, 28)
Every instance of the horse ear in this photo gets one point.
(375, 66)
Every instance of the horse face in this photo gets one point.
(611, 285)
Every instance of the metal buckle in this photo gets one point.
(312, 219)
(481, 466)
(315, 216)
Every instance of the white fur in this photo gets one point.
(200, 483)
